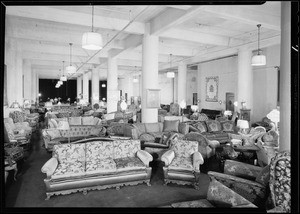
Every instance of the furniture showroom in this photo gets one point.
(157, 106)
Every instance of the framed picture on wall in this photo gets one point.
(153, 98)
(212, 84)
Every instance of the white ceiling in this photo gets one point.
(192, 33)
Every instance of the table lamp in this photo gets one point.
(243, 125)
(274, 116)
(123, 106)
(194, 108)
(64, 125)
(227, 114)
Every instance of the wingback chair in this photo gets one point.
(252, 182)
(182, 163)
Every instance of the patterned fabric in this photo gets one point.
(98, 131)
(115, 129)
(75, 121)
(52, 123)
(227, 126)
(222, 196)
(76, 113)
(103, 166)
(69, 170)
(76, 131)
(202, 117)
(126, 148)
(280, 181)
(63, 114)
(264, 176)
(17, 116)
(68, 153)
(213, 126)
(99, 150)
(242, 170)
(146, 137)
(200, 126)
(184, 148)
(180, 163)
(174, 109)
(193, 204)
(129, 163)
(202, 142)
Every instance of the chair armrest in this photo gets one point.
(130, 131)
(240, 169)
(197, 160)
(213, 143)
(233, 179)
(50, 166)
(167, 157)
(145, 157)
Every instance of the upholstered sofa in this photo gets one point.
(54, 136)
(214, 130)
(149, 132)
(96, 164)
(75, 121)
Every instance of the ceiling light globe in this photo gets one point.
(258, 60)
(92, 41)
(71, 69)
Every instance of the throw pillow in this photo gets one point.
(88, 120)
(213, 126)
(53, 133)
(201, 126)
(202, 117)
(264, 176)
(152, 127)
(227, 126)
(75, 121)
(97, 131)
(54, 123)
(170, 126)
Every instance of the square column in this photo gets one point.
(113, 94)
(182, 69)
(85, 87)
(149, 74)
(27, 79)
(95, 86)
(79, 86)
(33, 86)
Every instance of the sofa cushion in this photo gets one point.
(152, 127)
(66, 153)
(99, 150)
(53, 123)
(103, 166)
(126, 148)
(213, 126)
(146, 137)
(200, 126)
(170, 125)
(53, 133)
(264, 176)
(115, 129)
(99, 131)
(202, 117)
(69, 170)
(88, 120)
(129, 163)
(74, 121)
(179, 163)
(227, 126)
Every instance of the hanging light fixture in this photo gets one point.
(63, 77)
(92, 40)
(60, 82)
(170, 74)
(71, 69)
(135, 78)
(259, 59)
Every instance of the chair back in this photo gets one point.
(280, 181)
(184, 148)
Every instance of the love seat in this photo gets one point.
(96, 164)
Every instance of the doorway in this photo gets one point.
(230, 101)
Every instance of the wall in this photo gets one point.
(166, 86)
(226, 70)
(191, 86)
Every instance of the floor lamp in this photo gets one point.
(64, 125)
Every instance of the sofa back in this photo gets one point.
(77, 131)
(99, 149)
(76, 121)
(212, 126)
(148, 127)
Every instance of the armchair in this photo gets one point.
(19, 116)
(21, 129)
(182, 163)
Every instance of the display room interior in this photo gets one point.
(157, 106)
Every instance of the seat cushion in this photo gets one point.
(103, 166)
(129, 163)
(69, 170)
(179, 163)
(227, 126)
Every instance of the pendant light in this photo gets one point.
(63, 77)
(71, 69)
(259, 59)
(170, 74)
(92, 40)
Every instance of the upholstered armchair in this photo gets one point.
(20, 129)
(248, 180)
(182, 163)
(20, 116)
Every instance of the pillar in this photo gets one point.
(37, 87)
(199, 85)
(113, 94)
(245, 79)
(95, 86)
(33, 86)
(130, 84)
(85, 87)
(14, 63)
(149, 74)
(79, 86)
(182, 69)
(285, 78)
(27, 79)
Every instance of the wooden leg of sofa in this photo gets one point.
(84, 192)
(48, 197)
(117, 188)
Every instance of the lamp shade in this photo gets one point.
(243, 124)
(182, 104)
(123, 105)
(63, 125)
(135, 80)
(227, 113)
(71, 69)
(194, 108)
(274, 116)
(92, 41)
(63, 78)
(258, 60)
(170, 74)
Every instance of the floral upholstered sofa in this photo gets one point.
(54, 136)
(96, 164)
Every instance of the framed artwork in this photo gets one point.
(212, 84)
(153, 98)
